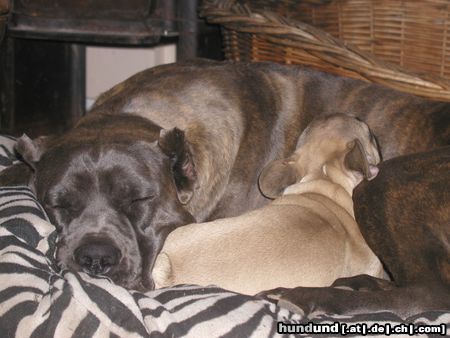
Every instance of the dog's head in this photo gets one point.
(114, 191)
(337, 146)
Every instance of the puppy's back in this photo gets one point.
(280, 245)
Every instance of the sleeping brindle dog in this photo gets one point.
(186, 142)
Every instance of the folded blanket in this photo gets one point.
(37, 299)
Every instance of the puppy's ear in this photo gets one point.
(31, 150)
(356, 160)
(173, 144)
(275, 177)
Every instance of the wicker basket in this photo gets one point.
(404, 44)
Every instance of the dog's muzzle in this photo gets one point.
(97, 256)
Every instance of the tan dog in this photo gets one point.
(308, 236)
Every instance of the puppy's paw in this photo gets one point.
(162, 271)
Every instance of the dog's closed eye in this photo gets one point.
(135, 201)
(59, 206)
(64, 207)
(142, 199)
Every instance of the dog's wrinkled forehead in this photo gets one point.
(110, 169)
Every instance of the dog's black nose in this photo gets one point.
(97, 257)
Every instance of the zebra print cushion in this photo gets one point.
(39, 300)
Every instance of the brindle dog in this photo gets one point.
(186, 142)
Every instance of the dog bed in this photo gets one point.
(39, 300)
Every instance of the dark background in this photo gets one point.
(43, 59)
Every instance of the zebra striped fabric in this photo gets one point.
(38, 300)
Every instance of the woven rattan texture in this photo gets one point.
(402, 44)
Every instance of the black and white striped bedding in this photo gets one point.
(38, 300)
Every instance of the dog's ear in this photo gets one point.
(275, 177)
(31, 150)
(16, 174)
(356, 160)
(173, 144)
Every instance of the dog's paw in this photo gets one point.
(279, 297)
(273, 295)
(307, 301)
(363, 283)
(288, 305)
